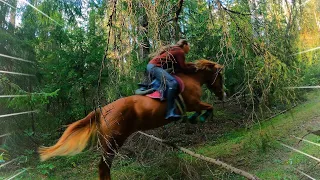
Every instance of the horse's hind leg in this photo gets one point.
(110, 147)
(104, 169)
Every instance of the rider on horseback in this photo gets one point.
(170, 57)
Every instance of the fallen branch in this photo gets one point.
(199, 156)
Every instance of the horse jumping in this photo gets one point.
(115, 122)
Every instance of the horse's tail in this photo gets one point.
(74, 139)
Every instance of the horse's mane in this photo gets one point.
(204, 64)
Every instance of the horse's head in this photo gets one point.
(213, 76)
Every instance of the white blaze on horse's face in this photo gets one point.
(224, 96)
(217, 86)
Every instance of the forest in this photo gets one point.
(60, 60)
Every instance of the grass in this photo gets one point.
(255, 150)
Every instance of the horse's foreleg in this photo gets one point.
(204, 106)
(198, 110)
(208, 108)
(193, 118)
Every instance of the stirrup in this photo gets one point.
(172, 114)
(174, 117)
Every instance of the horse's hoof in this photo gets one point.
(202, 119)
(185, 119)
(192, 120)
(174, 118)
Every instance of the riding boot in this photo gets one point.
(171, 93)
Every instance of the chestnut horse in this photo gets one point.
(115, 122)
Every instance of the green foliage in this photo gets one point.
(311, 76)
(256, 49)
(68, 56)
(45, 168)
(34, 100)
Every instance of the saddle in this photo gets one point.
(155, 90)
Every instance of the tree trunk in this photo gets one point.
(33, 126)
(253, 5)
(13, 16)
(143, 32)
(84, 100)
(176, 19)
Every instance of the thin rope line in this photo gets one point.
(17, 174)
(16, 73)
(20, 95)
(313, 49)
(41, 12)
(305, 174)
(2, 165)
(4, 135)
(296, 150)
(16, 58)
(307, 141)
(8, 4)
(8, 96)
(303, 87)
(16, 114)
